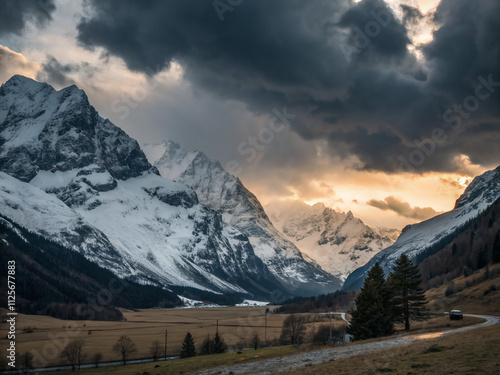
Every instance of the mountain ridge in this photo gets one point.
(55, 146)
(220, 191)
(338, 241)
(415, 239)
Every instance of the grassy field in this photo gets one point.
(180, 366)
(472, 352)
(50, 335)
(45, 336)
(203, 362)
(472, 294)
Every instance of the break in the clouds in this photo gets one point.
(403, 208)
(346, 69)
(16, 16)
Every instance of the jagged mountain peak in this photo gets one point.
(55, 146)
(27, 88)
(18, 83)
(225, 193)
(483, 188)
(337, 241)
(42, 129)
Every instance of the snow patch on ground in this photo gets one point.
(249, 302)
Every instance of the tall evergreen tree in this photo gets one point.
(372, 317)
(496, 248)
(218, 345)
(188, 349)
(407, 298)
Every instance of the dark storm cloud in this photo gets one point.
(56, 73)
(391, 39)
(403, 208)
(344, 68)
(14, 14)
(411, 15)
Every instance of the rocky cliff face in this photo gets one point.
(240, 209)
(42, 129)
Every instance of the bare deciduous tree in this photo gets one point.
(255, 341)
(26, 362)
(293, 329)
(97, 358)
(125, 346)
(74, 353)
(155, 350)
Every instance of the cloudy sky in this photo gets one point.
(387, 109)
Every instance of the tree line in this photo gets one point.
(382, 301)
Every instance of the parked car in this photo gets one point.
(456, 315)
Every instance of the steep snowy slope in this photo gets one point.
(240, 209)
(45, 215)
(147, 227)
(337, 241)
(415, 239)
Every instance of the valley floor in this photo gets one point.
(46, 336)
(288, 358)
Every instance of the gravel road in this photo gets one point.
(284, 364)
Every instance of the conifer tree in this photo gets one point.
(407, 298)
(372, 317)
(217, 345)
(188, 349)
(496, 248)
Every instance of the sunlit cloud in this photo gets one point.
(12, 63)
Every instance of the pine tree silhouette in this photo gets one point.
(188, 349)
(408, 300)
(372, 317)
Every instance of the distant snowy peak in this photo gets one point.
(337, 241)
(241, 210)
(415, 239)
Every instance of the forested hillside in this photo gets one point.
(476, 246)
(53, 280)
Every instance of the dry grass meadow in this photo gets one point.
(45, 336)
(363, 364)
(144, 327)
(472, 294)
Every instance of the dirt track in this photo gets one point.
(284, 364)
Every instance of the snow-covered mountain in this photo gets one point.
(240, 209)
(77, 179)
(417, 239)
(337, 241)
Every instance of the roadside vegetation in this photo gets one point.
(383, 302)
(472, 352)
